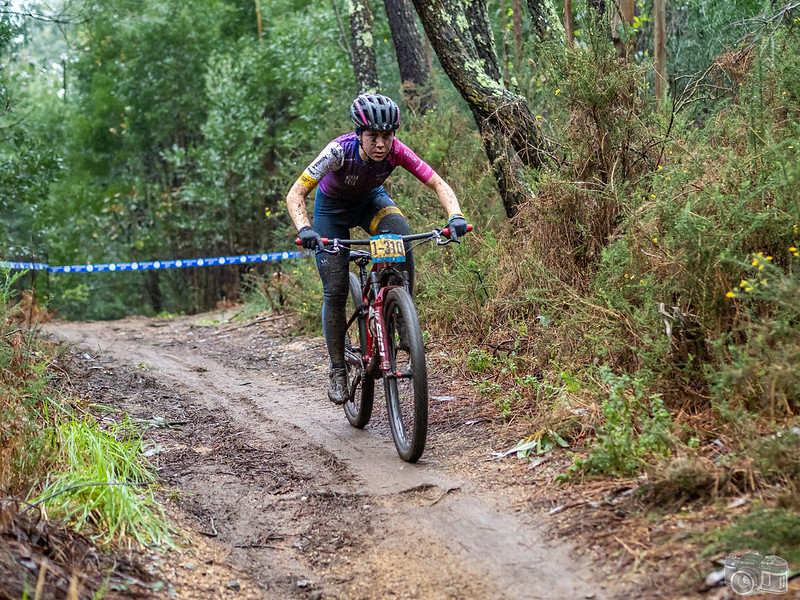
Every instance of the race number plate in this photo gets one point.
(387, 247)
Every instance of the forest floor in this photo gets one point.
(276, 496)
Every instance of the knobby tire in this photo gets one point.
(358, 408)
(406, 397)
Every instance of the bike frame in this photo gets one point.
(373, 294)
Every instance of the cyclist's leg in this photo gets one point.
(331, 220)
(380, 214)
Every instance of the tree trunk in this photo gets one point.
(621, 19)
(568, 23)
(504, 41)
(411, 59)
(659, 16)
(462, 39)
(364, 64)
(517, 25)
(545, 21)
(258, 20)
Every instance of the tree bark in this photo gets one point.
(461, 37)
(363, 44)
(568, 23)
(504, 41)
(411, 59)
(544, 19)
(517, 27)
(659, 16)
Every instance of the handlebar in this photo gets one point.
(436, 233)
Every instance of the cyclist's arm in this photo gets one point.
(445, 194)
(296, 204)
(330, 159)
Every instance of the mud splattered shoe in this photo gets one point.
(337, 385)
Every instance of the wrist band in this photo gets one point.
(455, 215)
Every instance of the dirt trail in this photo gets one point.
(298, 502)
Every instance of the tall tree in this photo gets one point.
(568, 23)
(659, 16)
(363, 43)
(516, 20)
(462, 39)
(411, 59)
(544, 18)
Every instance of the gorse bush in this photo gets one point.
(636, 428)
(661, 246)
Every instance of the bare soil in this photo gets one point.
(278, 497)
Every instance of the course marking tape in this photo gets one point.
(155, 264)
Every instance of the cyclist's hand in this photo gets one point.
(310, 239)
(457, 225)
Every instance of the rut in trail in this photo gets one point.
(305, 504)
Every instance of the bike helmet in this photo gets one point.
(375, 113)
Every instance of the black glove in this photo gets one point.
(310, 239)
(457, 225)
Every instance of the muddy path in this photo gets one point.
(286, 500)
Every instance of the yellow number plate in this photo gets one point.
(387, 247)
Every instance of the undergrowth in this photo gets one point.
(54, 456)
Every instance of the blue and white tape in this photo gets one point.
(155, 264)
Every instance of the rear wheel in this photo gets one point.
(360, 386)
(407, 387)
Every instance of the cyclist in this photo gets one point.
(350, 172)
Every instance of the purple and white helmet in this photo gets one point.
(375, 113)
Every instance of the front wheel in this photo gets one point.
(360, 386)
(407, 385)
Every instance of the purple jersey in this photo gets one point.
(342, 174)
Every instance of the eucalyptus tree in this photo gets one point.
(363, 43)
(411, 61)
(461, 35)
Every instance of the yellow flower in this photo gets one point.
(730, 295)
(538, 116)
(660, 167)
(769, 258)
(652, 195)
(558, 90)
(760, 267)
(744, 283)
(626, 276)
(755, 262)
(655, 240)
(641, 281)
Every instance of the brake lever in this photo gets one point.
(335, 247)
(440, 239)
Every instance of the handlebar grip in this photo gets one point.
(299, 243)
(446, 230)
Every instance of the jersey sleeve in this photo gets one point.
(403, 156)
(330, 159)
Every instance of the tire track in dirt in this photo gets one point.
(305, 504)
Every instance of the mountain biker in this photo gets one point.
(350, 172)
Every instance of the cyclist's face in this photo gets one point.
(376, 144)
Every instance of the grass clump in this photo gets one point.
(69, 466)
(102, 484)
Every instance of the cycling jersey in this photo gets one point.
(342, 174)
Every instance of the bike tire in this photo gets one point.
(407, 396)
(358, 408)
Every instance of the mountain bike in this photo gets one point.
(384, 339)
